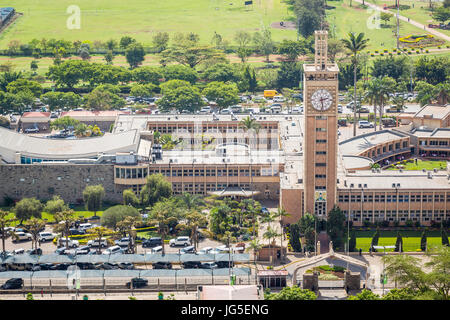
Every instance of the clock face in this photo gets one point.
(321, 100)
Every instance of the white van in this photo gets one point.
(157, 249)
(85, 226)
(113, 250)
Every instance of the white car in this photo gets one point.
(46, 236)
(205, 250)
(95, 243)
(113, 250)
(365, 124)
(21, 236)
(180, 241)
(62, 242)
(279, 99)
(85, 226)
(123, 242)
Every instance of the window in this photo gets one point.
(321, 152)
(321, 130)
(321, 176)
(321, 118)
(320, 164)
(321, 141)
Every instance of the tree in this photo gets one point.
(20, 85)
(270, 235)
(222, 72)
(64, 220)
(93, 198)
(109, 57)
(34, 66)
(61, 100)
(155, 189)
(4, 122)
(115, 214)
(182, 98)
(68, 73)
(99, 233)
(249, 80)
(393, 67)
(441, 14)
(220, 219)
(423, 242)
(355, 44)
(406, 271)
(433, 70)
(27, 208)
(280, 214)
(180, 72)
(255, 246)
(424, 92)
(292, 293)
(439, 278)
(335, 47)
(192, 56)
(130, 198)
(5, 221)
(400, 294)
(289, 75)
(264, 43)
(224, 94)
(135, 54)
(111, 44)
(193, 220)
(364, 295)
(125, 41)
(335, 227)
(399, 243)
(307, 228)
(444, 236)
(309, 14)
(143, 90)
(160, 41)
(294, 237)
(128, 225)
(145, 75)
(34, 227)
(386, 17)
(375, 239)
(104, 97)
(164, 213)
(64, 123)
(352, 242)
(191, 201)
(291, 49)
(55, 205)
(243, 39)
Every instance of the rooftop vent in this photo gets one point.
(351, 185)
(365, 185)
(393, 185)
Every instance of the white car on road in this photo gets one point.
(46, 236)
(95, 243)
(180, 241)
(62, 242)
(21, 236)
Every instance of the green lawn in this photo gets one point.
(420, 12)
(344, 19)
(428, 165)
(141, 19)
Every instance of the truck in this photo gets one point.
(269, 94)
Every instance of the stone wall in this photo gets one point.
(45, 180)
(311, 281)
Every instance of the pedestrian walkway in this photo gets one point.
(408, 20)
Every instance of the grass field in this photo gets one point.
(420, 12)
(141, 19)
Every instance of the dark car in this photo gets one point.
(152, 242)
(74, 231)
(110, 266)
(191, 264)
(208, 265)
(32, 267)
(85, 265)
(61, 250)
(47, 266)
(188, 249)
(62, 266)
(162, 265)
(37, 251)
(126, 265)
(137, 283)
(225, 264)
(14, 283)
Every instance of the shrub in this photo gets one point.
(376, 51)
(382, 54)
(439, 47)
(427, 51)
(371, 54)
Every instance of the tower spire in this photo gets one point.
(321, 49)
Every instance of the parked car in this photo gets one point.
(68, 243)
(46, 236)
(365, 124)
(62, 266)
(85, 226)
(113, 250)
(95, 243)
(32, 267)
(156, 249)
(83, 250)
(21, 236)
(137, 283)
(205, 250)
(225, 264)
(191, 264)
(47, 266)
(14, 283)
(19, 251)
(188, 249)
(36, 251)
(61, 250)
(162, 265)
(364, 110)
(220, 250)
(180, 241)
(31, 130)
(123, 242)
(152, 242)
(126, 265)
(110, 266)
(75, 232)
(208, 265)
(85, 265)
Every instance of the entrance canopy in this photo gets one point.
(234, 191)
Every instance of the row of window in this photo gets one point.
(402, 215)
(433, 142)
(171, 129)
(394, 198)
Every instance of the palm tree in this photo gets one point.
(128, 225)
(4, 222)
(270, 234)
(386, 88)
(64, 220)
(372, 96)
(255, 246)
(195, 219)
(280, 213)
(99, 233)
(355, 44)
(191, 201)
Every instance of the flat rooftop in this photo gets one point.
(358, 144)
(432, 133)
(434, 112)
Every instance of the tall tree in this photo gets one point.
(355, 44)
(309, 16)
(155, 189)
(135, 55)
(335, 227)
(114, 215)
(164, 213)
(5, 221)
(93, 198)
(65, 220)
(130, 198)
(34, 227)
(27, 208)
(128, 225)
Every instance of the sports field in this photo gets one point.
(411, 239)
(141, 19)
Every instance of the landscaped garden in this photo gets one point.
(327, 272)
(412, 165)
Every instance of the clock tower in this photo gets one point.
(321, 138)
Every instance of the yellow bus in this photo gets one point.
(270, 93)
